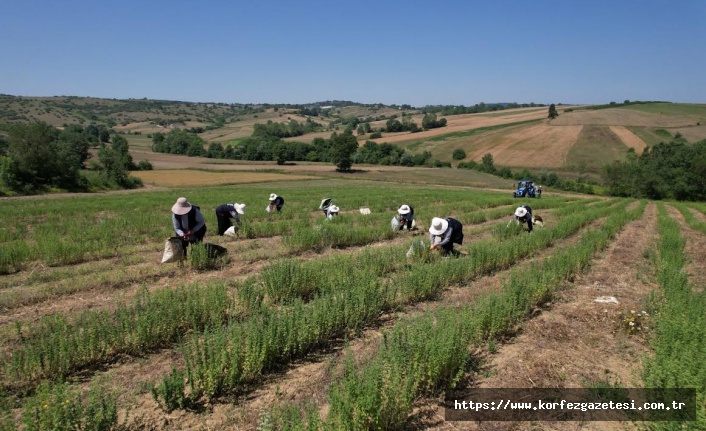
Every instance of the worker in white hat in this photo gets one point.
(188, 222)
(443, 233)
(226, 212)
(523, 215)
(331, 212)
(276, 202)
(406, 217)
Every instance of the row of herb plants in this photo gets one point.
(221, 361)
(59, 346)
(679, 319)
(424, 354)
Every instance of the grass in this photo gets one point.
(673, 109)
(647, 135)
(416, 144)
(199, 178)
(679, 343)
(595, 147)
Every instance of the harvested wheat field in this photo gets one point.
(193, 178)
(621, 117)
(629, 138)
(540, 145)
(459, 123)
(691, 133)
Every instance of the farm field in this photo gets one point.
(329, 324)
(517, 138)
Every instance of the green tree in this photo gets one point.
(40, 159)
(458, 154)
(343, 147)
(487, 163)
(552, 112)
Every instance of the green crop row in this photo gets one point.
(689, 217)
(221, 360)
(59, 346)
(679, 320)
(424, 354)
(95, 227)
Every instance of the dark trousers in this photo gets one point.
(223, 223)
(448, 249)
(198, 237)
(405, 222)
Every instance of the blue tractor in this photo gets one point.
(525, 188)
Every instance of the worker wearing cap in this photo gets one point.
(226, 212)
(523, 214)
(276, 202)
(406, 217)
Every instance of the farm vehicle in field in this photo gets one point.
(526, 188)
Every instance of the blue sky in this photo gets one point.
(393, 52)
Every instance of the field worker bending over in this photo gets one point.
(444, 232)
(276, 203)
(226, 212)
(523, 214)
(331, 212)
(406, 216)
(188, 222)
(325, 204)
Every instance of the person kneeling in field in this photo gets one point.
(226, 212)
(188, 222)
(276, 203)
(406, 217)
(331, 212)
(523, 215)
(444, 232)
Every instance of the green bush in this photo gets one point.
(58, 407)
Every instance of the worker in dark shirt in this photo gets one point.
(226, 212)
(443, 233)
(276, 202)
(406, 217)
(188, 222)
(523, 215)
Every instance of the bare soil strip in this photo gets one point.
(629, 138)
(574, 341)
(306, 379)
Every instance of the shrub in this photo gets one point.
(458, 154)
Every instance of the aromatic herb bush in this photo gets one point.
(679, 321)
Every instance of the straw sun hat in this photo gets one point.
(438, 226)
(520, 212)
(404, 209)
(239, 208)
(181, 207)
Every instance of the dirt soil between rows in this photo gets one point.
(573, 341)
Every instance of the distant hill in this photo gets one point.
(580, 139)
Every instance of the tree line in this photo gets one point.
(37, 157)
(341, 149)
(668, 170)
(475, 109)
